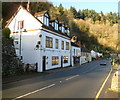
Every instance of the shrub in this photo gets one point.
(6, 33)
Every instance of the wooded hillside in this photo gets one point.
(96, 31)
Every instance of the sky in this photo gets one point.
(98, 5)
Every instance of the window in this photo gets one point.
(77, 52)
(55, 60)
(16, 42)
(49, 42)
(56, 25)
(56, 43)
(74, 51)
(67, 45)
(63, 30)
(62, 45)
(60, 28)
(53, 25)
(65, 59)
(20, 24)
(46, 20)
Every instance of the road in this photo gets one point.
(76, 82)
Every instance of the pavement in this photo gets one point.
(105, 94)
(28, 75)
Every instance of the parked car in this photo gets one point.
(103, 63)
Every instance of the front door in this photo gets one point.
(44, 63)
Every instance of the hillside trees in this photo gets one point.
(87, 25)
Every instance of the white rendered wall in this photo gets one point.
(30, 23)
(30, 38)
(76, 54)
(49, 52)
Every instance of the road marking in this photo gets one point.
(60, 81)
(99, 92)
(33, 92)
(72, 77)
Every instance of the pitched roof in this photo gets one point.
(47, 27)
(59, 32)
(9, 21)
(74, 44)
(53, 19)
(41, 12)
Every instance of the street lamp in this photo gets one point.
(20, 32)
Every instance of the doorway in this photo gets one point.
(44, 63)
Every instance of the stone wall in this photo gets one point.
(11, 65)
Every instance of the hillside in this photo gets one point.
(96, 31)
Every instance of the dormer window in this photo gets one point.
(56, 25)
(60, 28)
(53, 24)
(43, 16)
(40, 18)
(63, 28)
(68, 31)
(46, 19)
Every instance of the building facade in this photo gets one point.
(75, 54)
(40, 40)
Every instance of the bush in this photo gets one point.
(6, 33)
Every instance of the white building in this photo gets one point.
(39, 40)
(75, 54)
(99, 54)
(93, 54)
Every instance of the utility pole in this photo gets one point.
(20, 32)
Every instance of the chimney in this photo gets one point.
(28, 5)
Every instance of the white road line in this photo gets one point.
(72, 77)
(33, 92)
(99, 92)
(60, 81)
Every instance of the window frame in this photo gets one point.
(67, 46)
(21, 24)
(49, 42)
(56, 43)
(46, 19)
(66, 59)
(55, 60)
(62, 45)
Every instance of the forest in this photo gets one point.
(97, 31)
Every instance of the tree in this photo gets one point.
(60, 9)
(74, 12)
(6, 33)
(40, 6)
